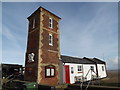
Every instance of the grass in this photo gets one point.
(112, 79)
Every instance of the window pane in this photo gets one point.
(33, 26)
(47, 72)
(50, 39)
(79, 68)
(50, 25)
(50, 22)
(92, 68)
(52, 72)
(102, 68)
(72, 71)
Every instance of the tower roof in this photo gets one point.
(40, 9)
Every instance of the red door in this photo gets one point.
(67, 74)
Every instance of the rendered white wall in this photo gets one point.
(86, 68)
(72, 75)
(101, 73)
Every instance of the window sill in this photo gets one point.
(49, 76)
(51, 44)
(80, 72)
(33, 28)
(50, 27)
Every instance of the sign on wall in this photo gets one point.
(31, 57)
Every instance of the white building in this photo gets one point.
(82, 69)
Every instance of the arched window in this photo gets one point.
(49, 71)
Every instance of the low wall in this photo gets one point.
(91, 87)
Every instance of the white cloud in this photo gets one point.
(112, 63)
(13, 56)
(12, 51)
(7, 33)
(92, 39)
(79, 37)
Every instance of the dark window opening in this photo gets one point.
(102, 68)
(51, 39)
(50, 23)
(72, 70)
(79, 68)
(92, 68)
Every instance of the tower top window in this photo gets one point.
(50, 23)
(33, 24)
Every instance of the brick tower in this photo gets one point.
(43, 48)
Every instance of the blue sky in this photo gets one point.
(86, 30)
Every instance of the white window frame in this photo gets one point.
(51, 39)
(52, 71)
(50, 23)
(48, 72)
(79, 68)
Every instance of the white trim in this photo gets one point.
(53, 51)
(48, 72)
(52, 72)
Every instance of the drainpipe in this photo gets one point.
(96, 69)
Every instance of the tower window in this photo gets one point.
(50, 39)
(50, 71)
(50, 23)
(79, 68)
(33, 25)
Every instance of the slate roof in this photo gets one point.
(11, 65)
(98, 61)
(84, 60)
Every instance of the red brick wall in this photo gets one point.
(35, 16)
(45, 41)
(32, 47)
(31, 73)
(46, 23)
(49, 81)
(49, 53)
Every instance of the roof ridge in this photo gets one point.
(72, 56)
(73, 59)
